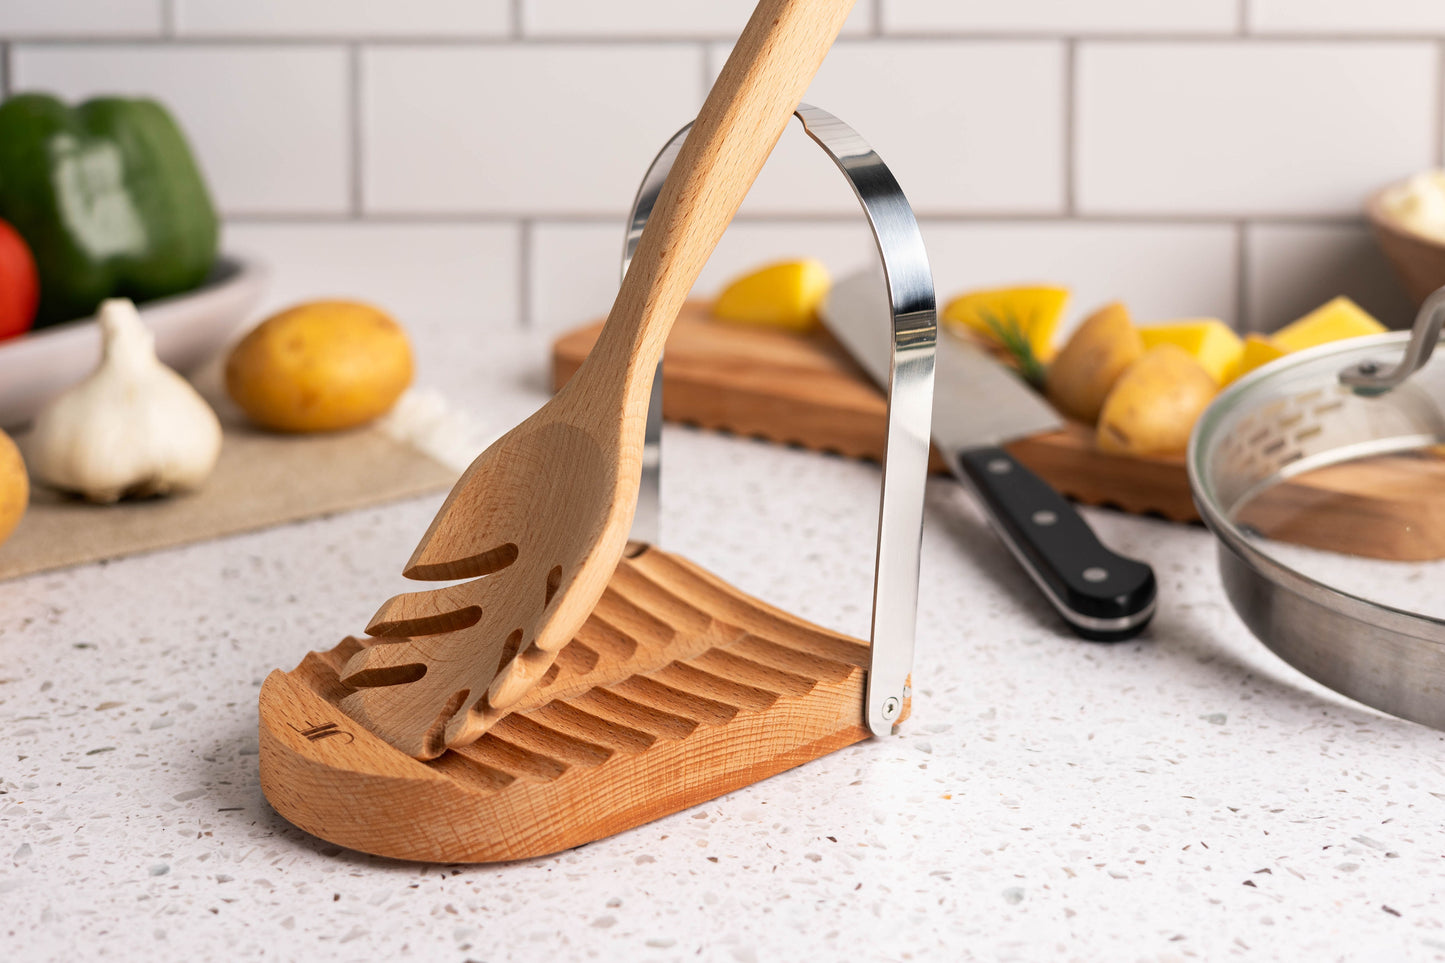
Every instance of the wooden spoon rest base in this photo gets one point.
(677, 690)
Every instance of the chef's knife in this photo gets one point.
(978, 406)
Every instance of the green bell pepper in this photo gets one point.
(109, 199)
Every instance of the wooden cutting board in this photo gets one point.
(804, 390)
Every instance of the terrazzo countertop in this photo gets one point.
(1182, 796)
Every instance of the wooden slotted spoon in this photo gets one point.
(540, 519)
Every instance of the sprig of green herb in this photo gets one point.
(1009, 333)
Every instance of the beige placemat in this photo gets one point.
(260, 480)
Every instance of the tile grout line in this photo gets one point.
(4, 69)
(353, 108)
(483, 40)
(1439, 125)
(705, 55)
(1242, 320)
(1071, 108)
(877, 30)
(524, 274)
(820, 219)
(168, 19)
(1241, 26)
(517, 12)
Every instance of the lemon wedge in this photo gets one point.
(782, 295)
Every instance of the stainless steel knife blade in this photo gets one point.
(978, 406)
(976, 401)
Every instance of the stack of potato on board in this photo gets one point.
(1142, 387)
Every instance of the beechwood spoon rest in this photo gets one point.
(675, 689)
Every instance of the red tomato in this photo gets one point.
(19, 284)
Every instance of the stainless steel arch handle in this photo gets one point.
(913, 322)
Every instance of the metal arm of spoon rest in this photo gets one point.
(912, 319)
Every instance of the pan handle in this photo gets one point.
(1367, 378)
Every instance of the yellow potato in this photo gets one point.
(1155, 403)
(320, 366)
(1096, 354)
(14, 486)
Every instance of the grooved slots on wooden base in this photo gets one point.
(677, 690)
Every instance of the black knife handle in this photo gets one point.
(1104, 596)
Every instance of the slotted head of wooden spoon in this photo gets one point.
(540, 519)
(538, 544)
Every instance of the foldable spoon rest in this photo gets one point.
(678, 688)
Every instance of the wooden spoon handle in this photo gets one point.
(749, 107)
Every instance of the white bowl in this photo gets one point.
(189, 330)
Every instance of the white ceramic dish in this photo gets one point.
(189, 329)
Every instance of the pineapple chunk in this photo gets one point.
(1259, 350)
(1212, 343)
(1032, 313)
(1340, 318)
(783, 295)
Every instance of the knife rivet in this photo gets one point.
(1095, 574)
(1000, 466)
(890, 707)
(1045, 517)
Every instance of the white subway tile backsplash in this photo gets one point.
(269, 124)
(80, 18)
(1131, 149)
(533, 129)
(844, 246)
(1061, 16)
(573, 268)
(1249, 128)
(460, 278)
(1293, 268)
(572, 273)
(1160, 271)
(1347, 16)
(343, 18)
(966, 127)
(655, 18)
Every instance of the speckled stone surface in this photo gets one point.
(1182, 796)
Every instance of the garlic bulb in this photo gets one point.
(133, 427)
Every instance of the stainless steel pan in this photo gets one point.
(1370, 629)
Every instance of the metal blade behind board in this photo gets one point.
(976, 400)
